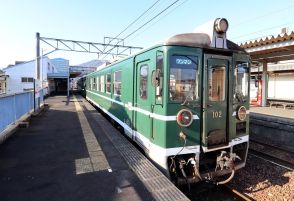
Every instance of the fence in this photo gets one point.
(14, 107)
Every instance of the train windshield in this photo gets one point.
(183, 83)
(242, 75)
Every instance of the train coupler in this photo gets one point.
(226, 161)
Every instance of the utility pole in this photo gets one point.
(38, 54)
(37, 68)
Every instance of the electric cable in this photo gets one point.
(270, 28)
(138, 18)
(132, 23)
(150, 20)
(156, 21)
(261, 16)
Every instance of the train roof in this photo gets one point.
(200, 40)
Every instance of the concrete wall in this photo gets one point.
(272, 130)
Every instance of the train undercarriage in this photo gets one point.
(207, 166)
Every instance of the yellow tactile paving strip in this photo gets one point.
(97, 160)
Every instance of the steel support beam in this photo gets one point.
(88, 47)
(264, 84)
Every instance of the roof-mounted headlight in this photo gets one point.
(221, 25)
(184, 118)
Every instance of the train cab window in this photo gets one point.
(102, 86)
(183, 75)
(144, 81)
(117, 83)
(242, 79)
(108, 83)
(216, 83)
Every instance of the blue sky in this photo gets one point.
(91, 20)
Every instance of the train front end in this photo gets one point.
(209, 93)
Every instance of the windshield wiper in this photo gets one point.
(189, 95)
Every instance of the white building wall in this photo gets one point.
(281, 86)
(28, 69)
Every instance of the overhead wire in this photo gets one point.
(151, 12)
(157, 21)
(270, 28)
(132, 23)
(262, 16)
(150, 20)
(138, 18)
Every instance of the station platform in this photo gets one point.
(273, 111)
(273, 126)
(71, 152)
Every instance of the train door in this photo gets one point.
(215, 104)
(143, 101)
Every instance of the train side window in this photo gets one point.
(143, 81)
(98, 83)
(159, 75)
(102, 88)
(117, 83)
(94, 83)
(108, 83)
(91, 83)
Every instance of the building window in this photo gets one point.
(143, 81)
(108, 83)
(102, 86)
(27, 79)
(117, 83)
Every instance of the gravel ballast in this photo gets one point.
(262, 180)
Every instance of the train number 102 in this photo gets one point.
(216, 114)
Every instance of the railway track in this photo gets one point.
(203, 191)
(210, 192)
(272, 146)
(274, 154)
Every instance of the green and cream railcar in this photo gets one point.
(183, 101)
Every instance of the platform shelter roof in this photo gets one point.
(271, 48)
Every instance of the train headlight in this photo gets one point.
(241, 113)
(184, 118)
(221, 25)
